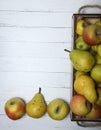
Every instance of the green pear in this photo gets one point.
(81, 45)
(36, 107)
(96, 73)
(82, 60)
(85, 86)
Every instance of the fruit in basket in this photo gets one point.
(94, 48)
(96, 73)
(80, 25)
(98, 102)
(92, 34)
(95, 113)
(81, 45)
(15, 108)
(79, 73)
(85, 86)
(98, 59)
(79, 105)
(58, 109)
(82, 60)
(98, 23)
(99, 50)
(36, 107)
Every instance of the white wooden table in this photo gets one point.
(33, 36)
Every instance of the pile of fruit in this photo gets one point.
(15, 108)
(86, 59)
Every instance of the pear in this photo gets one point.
(96, 73)
(82, 60)
(36, 107)
(85, 86)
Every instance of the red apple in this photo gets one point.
(92, 34)
(79, 105)
(15, 108)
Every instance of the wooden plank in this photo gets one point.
(35, 34)
(34, 65)
(46, 5)
(34, 19)
(34, 49)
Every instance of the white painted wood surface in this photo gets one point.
(33, 35)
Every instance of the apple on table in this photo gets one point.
(58, 109)
(15, 108)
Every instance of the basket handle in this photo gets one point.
(89, 124)
(88, 6)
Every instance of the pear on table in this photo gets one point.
(36, 107)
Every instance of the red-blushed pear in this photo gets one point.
(92, 34)
(79, 105)
(15, 108)
(85, 86)
(95, 113)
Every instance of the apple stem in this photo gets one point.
(39, 90)
(67, 50)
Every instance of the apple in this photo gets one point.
(95, 113)
(58, 109)
(92, 34)
(15, 108)
(79, 105)
(81, 45)
(80, 25)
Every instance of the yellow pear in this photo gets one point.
(36, 107)
(85, 86)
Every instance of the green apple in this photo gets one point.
(92, 34)
(15, 108)
(81, 45)
(79, 105)
(58, 109)
(95, 113)
(80, 25)
(96, 73)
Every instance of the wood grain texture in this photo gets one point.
(33, 36)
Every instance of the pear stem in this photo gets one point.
(67, 50)
(39, 90)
